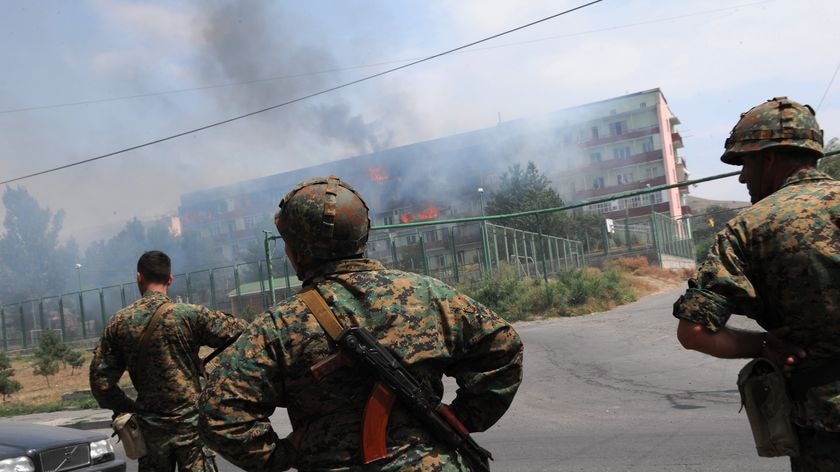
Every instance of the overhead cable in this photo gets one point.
(367, 66)
(299, 99)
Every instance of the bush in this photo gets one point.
(571, 292)
(46, 367)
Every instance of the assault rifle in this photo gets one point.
(424, 405)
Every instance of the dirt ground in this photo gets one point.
(35, 390)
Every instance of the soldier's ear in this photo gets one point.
(169, 280)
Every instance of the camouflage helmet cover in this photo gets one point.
(776, 122)
(324, 218)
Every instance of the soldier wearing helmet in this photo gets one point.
(287, 360)
(778, 262)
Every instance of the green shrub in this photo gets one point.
(521, 298)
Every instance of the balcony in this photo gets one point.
(600, 192)
(639, 158)
(630, 134)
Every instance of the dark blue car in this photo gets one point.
(26, 447)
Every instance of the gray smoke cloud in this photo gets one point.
(250, 41)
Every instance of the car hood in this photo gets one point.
(17, 437)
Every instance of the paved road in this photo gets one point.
(615, 392)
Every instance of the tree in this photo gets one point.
(831, 165)
(8, 385)
(524, 190)
(706, 225)
(75, 358)
(46, 367)
(528, 189)
(33, 262)
(50, 346)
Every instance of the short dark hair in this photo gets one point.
(155, 266)
(806, 157)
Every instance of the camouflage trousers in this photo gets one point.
(819, 451)
(166, 450)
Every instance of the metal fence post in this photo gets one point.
(424, 256)
(3, 321)
(82, 315)
(213, 291)
(61, 316)
(22, 326)
(238, 289)
(286, 274)
(122, 295)
(542, 256)
(41, 312)
(495, 244)
(454, 255)
(394, 252)
(263, 303)
(102, 306)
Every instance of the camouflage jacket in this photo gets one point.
(778, 262)
(168, 383)
(432, 328)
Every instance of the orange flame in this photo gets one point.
(407, 217)
(377, 174)
(428, 214)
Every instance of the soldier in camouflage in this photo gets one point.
(429, 326)
(169, 380)
(778, 262)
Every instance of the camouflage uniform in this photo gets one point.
(432, 328)
(778, 262)
(169, 383)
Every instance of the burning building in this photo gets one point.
(589, 151)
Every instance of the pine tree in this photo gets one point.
(8, 385)
(46, 367)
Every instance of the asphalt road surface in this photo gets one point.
(614, 391)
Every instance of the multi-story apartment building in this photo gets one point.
(589, 151)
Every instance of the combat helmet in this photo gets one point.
(324, 218)
(776, 122)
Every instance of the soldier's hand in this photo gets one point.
(780, 351)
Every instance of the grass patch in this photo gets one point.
(15, 409)
(573, 292)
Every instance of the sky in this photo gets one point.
(81, 79)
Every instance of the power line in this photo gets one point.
(305, 97)
(830, 82)
(366, 66)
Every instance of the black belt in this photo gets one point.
(800, 382)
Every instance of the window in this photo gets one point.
(621, 153)
(643, 105)
(618, 179)
(388, 220)
(594, 132)
(618, 128)
(441, 261)
(598, 182)
(411, 239)
(595, 157)
(460, 256)
(647, 145)
(431, 235)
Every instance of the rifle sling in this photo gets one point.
(374, 430)
(325, 316)
(147, 333)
